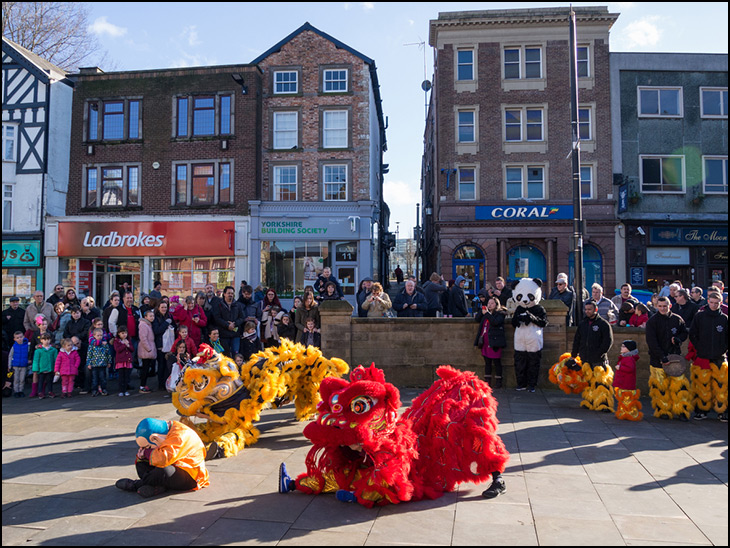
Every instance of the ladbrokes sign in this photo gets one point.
(165, 239)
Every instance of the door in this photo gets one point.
(470, 271)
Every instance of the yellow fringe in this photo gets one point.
(569, 381)
(288, 372)
(628, 406)
(670, 396)
(598, 395)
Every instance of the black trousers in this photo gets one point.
(169, 477)
(527, 368)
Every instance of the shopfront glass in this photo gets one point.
(526, 261)
(187, 275)
(468, 261)
(288, 267)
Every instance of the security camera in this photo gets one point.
(640, 231)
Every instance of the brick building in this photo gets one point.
(323, 141)
(163, 164)
(497, 175)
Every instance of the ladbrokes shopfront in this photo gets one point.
(97, 258)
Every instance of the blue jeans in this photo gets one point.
(98, 378)
(231, 346)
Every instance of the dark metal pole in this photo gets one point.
(577, 204)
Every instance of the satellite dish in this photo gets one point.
(426, 85)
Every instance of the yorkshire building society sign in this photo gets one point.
(524, 213)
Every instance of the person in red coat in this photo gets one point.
(624, 383)
(193, 316)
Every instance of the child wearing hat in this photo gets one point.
(624, 383)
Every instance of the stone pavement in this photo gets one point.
(575, 478)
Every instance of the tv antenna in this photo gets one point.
(426, 84)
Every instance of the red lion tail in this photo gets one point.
(456, 424)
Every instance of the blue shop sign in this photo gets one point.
(689, 236)
(22, 254)
(524, 213)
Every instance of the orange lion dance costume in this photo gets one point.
(365, 452)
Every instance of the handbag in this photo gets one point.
(480, 341)
(174, 377)
(389, 313)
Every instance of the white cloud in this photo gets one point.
(366, 6)
(101, 26)
(643, 33)
(190, 35)
(400, 193)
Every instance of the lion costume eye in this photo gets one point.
(361, 404)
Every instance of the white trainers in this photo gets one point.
(121, 394)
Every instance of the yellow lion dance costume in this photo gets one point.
(231, 400)
(709, 386)
(594, 383)
(670, 396)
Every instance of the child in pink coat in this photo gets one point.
(67, 365)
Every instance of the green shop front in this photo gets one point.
(22, 272)
(295, 242)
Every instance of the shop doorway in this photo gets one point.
(112, 275)
(468, 261)
(345, 269)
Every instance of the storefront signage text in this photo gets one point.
(114, 239)
(22, 254)
(288, 227)
(689, 236)
(524, 213)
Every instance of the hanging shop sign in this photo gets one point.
(21, 253)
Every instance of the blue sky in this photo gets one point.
(147, 35)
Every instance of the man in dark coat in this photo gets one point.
(458, 306)
(409, 303)
(228, 318)
(12, 320)
(321, 283)
(594, 337)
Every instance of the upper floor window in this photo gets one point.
(662, 174)
(334, 129)
(286, 81)
(583, 61)
(335, 182)
(714, 102)
(286, 130)
(585, 129)
(7, 207)
(205, 183)
(334, 80)
(466, 120)
(660, 102)
(525, 182)
(467, 183)
(285, 183)
(523, 124)
(112, 186)
(586, 182)
(114, 119)
(522, 63)
(203, 115)
(9, 140)
(465, 64)
(715, 174)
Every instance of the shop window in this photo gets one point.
(188, 275)
(288, 267)
(526, 262)
(592, 266)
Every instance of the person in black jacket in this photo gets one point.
(228, 318)
(458, 306)
(708, 335)
(665, 333)
(13, 320)
(409, 303)
(322, 279)
(491, 339)
(594, 337)
(434, 289)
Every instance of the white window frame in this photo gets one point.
(586, 61)
(523, 63)
(523, 123)
(662, 157)
(325, 182)
(335, 136)
(473, 125)
(8, 191)
(327, 78)
(277, 184)
(524, 181)
(704, 174)
(462, 185)
(471, 64)
(591, 181)
(722, 115)
(294, 82)
(658, 90)
(12, 141)
(281, 138)
(589, 123)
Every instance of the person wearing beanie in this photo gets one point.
(628, 406)
(458, 305)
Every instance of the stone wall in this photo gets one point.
(410, 350)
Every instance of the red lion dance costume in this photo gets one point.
(366, 453)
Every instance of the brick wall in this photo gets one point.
(308, 53)
(157, 90)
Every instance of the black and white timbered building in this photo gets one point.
(36, 118)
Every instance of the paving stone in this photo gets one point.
(657, 529)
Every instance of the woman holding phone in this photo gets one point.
(193, 316)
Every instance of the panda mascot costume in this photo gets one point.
(528, 319)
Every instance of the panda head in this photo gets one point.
(527, 292)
